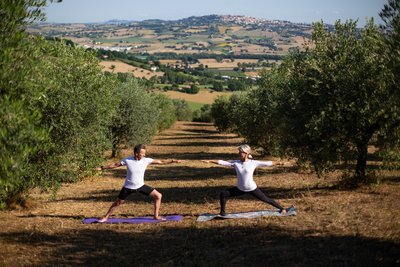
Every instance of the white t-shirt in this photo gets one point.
(244, 172)
(135, 171)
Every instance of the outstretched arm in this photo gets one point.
(164, 162)
(111, 166)
(280, 163)
(271, 163)
(210, 161)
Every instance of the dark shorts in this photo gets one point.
(125, 192)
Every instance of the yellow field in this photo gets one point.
(222, 29)
(194, 30)
(203, 97)
(124, 68)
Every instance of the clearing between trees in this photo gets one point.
(334, 227)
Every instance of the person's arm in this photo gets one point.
(164, 162)
(219, 162)
(271, 163)
(210, 161)
(111, 166)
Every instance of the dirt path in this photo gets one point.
(334, 227)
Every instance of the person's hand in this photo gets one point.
(99, 168)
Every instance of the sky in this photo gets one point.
(307, 11)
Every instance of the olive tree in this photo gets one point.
(389, 136)
(77, 107)
(137, 117)
(337, 97)
(20, 133)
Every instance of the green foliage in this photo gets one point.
(166, 109)
(182, 110)
(58, 109)
(139, 114)
(78, 106)
(261, 108)
(193, 89)
(203, 115)
(220, 113)
(339, 96)
(324, 105)
(218, 86)
(389, 135)
(237, 85)
(20, 134)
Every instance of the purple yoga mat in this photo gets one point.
(135, 220)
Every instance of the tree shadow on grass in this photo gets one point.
(198, 124)
(392, 179)
(194, 195)
(200, 143)
(203, 244)
(186, 136)
(193, 156)
(201, 131)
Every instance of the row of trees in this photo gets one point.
(59, 112)
(327, 104)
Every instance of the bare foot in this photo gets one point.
(103, 219)
(159, 218)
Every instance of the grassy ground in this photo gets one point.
(333, 227)
(195, 106)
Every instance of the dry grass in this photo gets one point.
(333, 227)
(212, 63)
(126, 68)
(203, 97)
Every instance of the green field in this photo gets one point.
(195, 106)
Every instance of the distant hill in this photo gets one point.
(225, 35)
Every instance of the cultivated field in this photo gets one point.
(226, 63)
(203, 97)
(334, 227)
(118, 66)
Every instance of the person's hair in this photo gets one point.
(138, 147)
(246, 149)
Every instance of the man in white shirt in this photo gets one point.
(134, 181)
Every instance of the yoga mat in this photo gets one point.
(247, 215)
(134, 220)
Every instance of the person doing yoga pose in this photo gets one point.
(245, 168)
(134, 182)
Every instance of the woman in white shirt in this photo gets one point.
(244, 168)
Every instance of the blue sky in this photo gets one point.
(292, 10)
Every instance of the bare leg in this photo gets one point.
(157, 203)
(113, 207)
